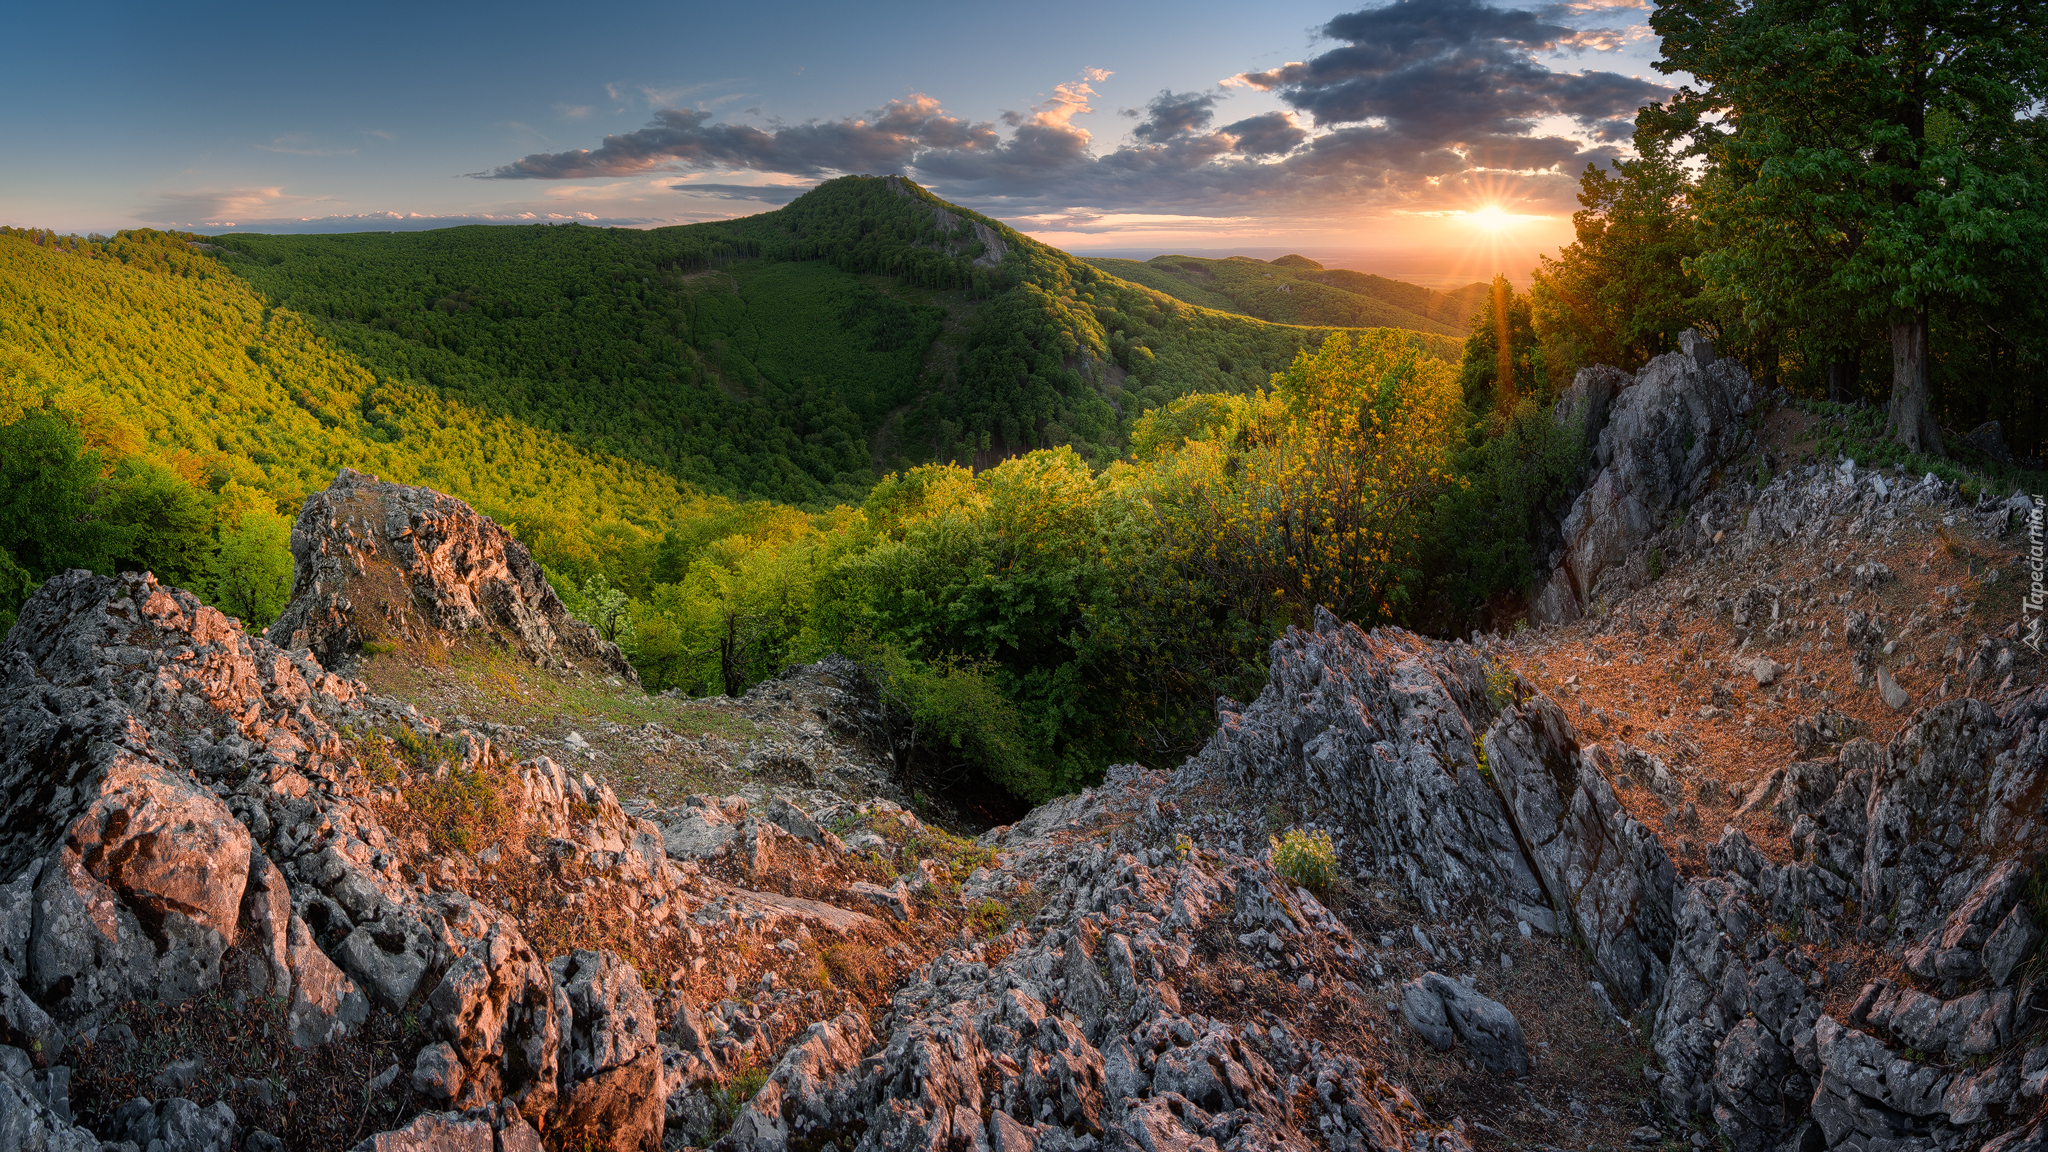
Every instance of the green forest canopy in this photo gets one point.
(190, 415)
(795, 355)
(1297, 290)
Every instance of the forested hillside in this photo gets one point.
(150, 350)
(1297, 290)
(795, 355)
(1104, 501)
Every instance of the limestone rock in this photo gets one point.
(2014, 938)
(377, 561)
(1989, 438)
(1604, 868)
(608, 1019)
(1375, 732)
(1439, 1008)
(1895, 697)
(610, 1065)
(435, 1132)
(141, 868)
(1668, 429)
(699, 834)
(176, 1125)
(29, 1123)
(498, 1011)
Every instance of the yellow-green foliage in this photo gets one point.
(988, 915)
(732, 619)
(1306, 858)
(153, 345)
(460, 807)
(1500, 685)
(1317, 492)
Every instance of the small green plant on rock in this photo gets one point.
(1306, 858)
(988, 915)
(1500, 685)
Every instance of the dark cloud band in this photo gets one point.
(1418, 96)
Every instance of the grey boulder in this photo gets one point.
(1442, 1010)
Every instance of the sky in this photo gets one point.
(1425, 133)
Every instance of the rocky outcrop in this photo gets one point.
(380, 562)
(1379, 732)
(1919, 847)
(183, 810)
(1655, 442)
(1604, 870)
(193, 814)
(993, 246)
(1070, 1032)
(192, 809)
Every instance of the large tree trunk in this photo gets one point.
(1911, 422)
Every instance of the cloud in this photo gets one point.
(418, 222)
(1270, 134)
(684, 139)
(1606, 39)
(572, 111)
(1422, 105)
(191, 208)
(1454, 75)
(1044, 144)
(1170, 115)
(777, 194)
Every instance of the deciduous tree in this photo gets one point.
(1868, 160)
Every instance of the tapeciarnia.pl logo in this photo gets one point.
(2032, 607)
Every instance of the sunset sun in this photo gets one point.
(1488, 219)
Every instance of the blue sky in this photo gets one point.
(1094, 126)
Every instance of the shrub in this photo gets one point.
(1489, 526)
(15, 588)
(1306, 858)
(958, 710)
(857, 967)
(252, 572)
(460, 809)
(1321, 493)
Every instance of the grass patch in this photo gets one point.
(858, 968)
(461, 808)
